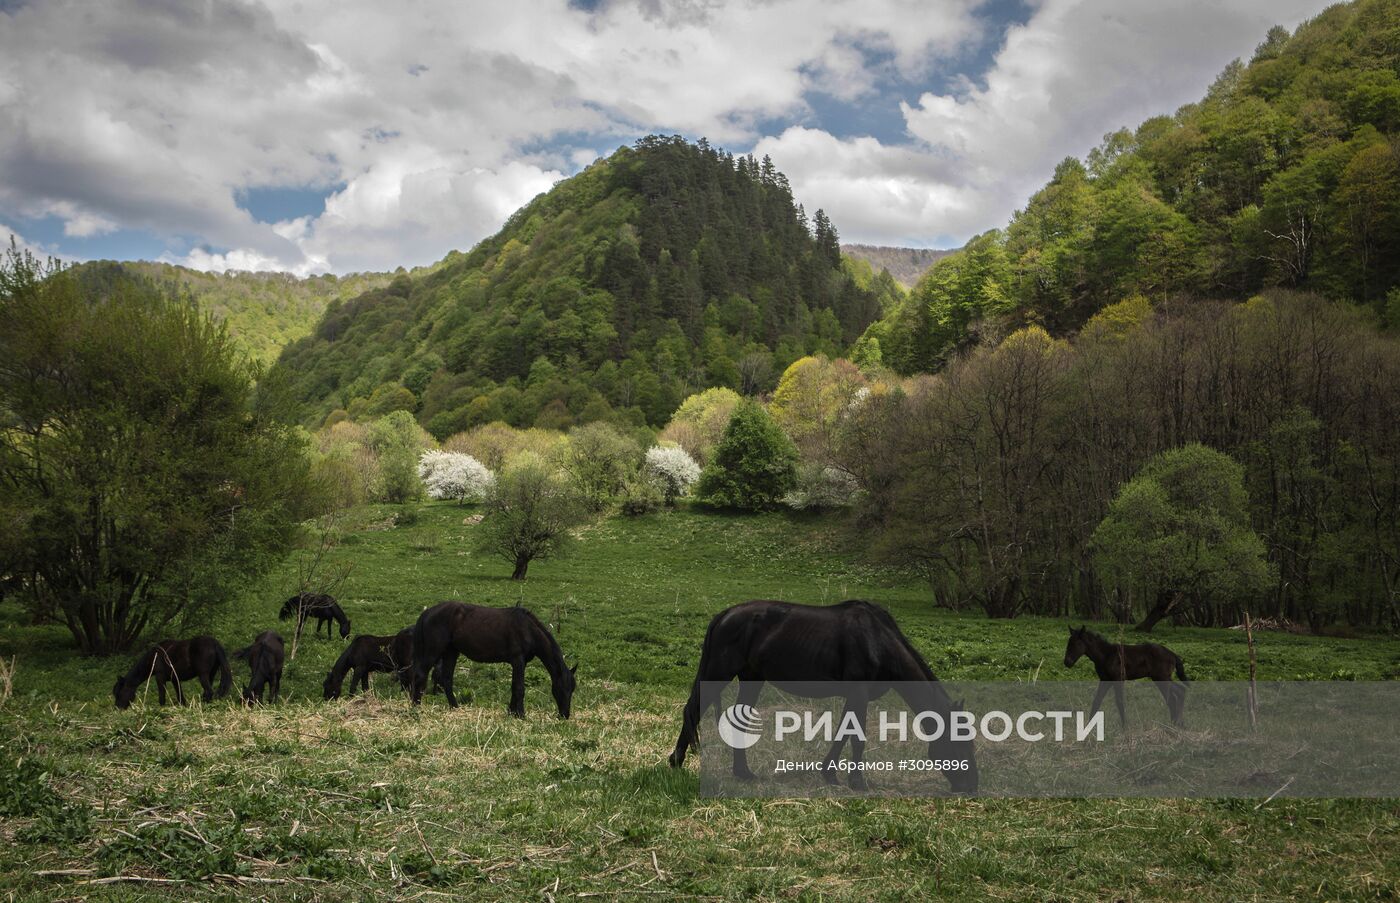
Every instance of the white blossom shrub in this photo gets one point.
(673, 469)
(453, 475)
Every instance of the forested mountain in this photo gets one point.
(263, 311)
(1286, 174)
(665, 268)
(906, 265)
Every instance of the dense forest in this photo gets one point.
(1286, 174)
(263, 311)
(663, 269)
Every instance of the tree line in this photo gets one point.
(995, 476)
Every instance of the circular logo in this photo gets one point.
(740, 726)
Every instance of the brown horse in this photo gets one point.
(784, 644)
(486, 634)
(1117, 662)
(173, 661)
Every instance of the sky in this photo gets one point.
(342, 135)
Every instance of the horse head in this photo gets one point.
(289, 608)
(961, 779)
(123, 693)
(330, 687)
(1076, 646)
(563, 689)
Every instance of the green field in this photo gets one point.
(366, 798)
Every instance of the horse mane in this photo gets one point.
(887, 620)
(342, 664)
(144, 666)
(555, 650)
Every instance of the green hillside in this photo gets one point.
(1287, 173)
(665, 268)
(263, 311)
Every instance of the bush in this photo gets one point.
(398, 440)
(753, 466)
(820, 487)
(452, 475)
(672, 470)
(642, 495)
(146, 482)
(700, 421)
(529, 512)
(599, 461)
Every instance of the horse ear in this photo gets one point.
(574, 669)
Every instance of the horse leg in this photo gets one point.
(1169, 696)
(857, 706)
(1099, 694)
(517, 688)
(207, 685)
(160, 689)
(748, 695)
(1122, 706)
(448, 664)
(360, 678)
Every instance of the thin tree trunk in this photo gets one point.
(522, 563)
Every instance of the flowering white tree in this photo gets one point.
(673, 469)
(453, 475)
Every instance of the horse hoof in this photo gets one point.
(675, 761)
(858, 782)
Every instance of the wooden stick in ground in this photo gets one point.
(1252, 698)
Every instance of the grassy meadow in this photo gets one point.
(366, 798)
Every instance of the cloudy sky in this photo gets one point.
(343, 135)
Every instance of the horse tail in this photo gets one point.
(690, 716)
(1180, 668)
(225, 672)
(243, 653)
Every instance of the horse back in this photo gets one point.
(767, 639)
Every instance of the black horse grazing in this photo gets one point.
(784, 643)
(368, 654)
(1116, 662)
(320, 606)
(485, 634)
(265, 658)
(174, 661)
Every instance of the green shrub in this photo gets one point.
(754, 465)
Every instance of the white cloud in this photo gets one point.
(9, 234)
(158, 116)
(1077, 70)
(873, 192)
(437, 119)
